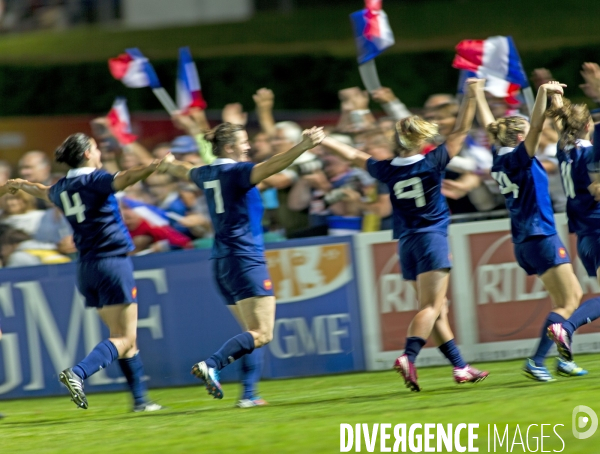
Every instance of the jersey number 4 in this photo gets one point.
(77, 208)
(505, 184)
(416, 192)
(215, 185)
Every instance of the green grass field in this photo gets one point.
(304, 415)
(421, 26)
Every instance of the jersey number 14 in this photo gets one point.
(506, 186)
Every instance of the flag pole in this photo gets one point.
(369, 76)
(165, 99)
(529, 99)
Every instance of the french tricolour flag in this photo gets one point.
(495, 59)
(133, 69)
(189, 90)
(120, 123)
(371, 30)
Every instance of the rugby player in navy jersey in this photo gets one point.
(239, 265)
(577, 158)
(421, 219)
(104, 271)
(538, 249)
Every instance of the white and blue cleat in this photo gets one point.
(210, 378)
(569, 368)
(537, 373)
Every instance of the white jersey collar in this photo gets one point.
(398, 161)
(221, 161)
(505, 150)
(80, 171)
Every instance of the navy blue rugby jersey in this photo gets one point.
(87, 199)
(582, 210)
(524, 184)
(414, 183)
(235, 207)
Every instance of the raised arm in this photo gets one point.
(264, 100)
(538, 116)
(35, 189)
(356, 157)
(310, 139)
(464, 121)
(484, 113)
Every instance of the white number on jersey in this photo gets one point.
(565, 173)
(76, 209)
(416, 192)
(505, 184)
(216, 186)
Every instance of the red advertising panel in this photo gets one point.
(510, 305)
(396, 300)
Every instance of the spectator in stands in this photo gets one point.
(55, 229)
(163, 189)
(19, 211)
(185, 148)
(5, 172)
(35, 166)
(17, 248)
(148, 237)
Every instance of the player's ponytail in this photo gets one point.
(412, 131)
(506, 131)
(72, 150)
(574, 119)
(222, 135)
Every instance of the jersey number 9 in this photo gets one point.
(415, 193)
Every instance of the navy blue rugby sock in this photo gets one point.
(251, 372)
(99, 358)
(545, 341)
(413, 347)
(233, 349)
(452, 353)
(133, 369)
(586, 313)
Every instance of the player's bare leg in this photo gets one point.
(258, 314)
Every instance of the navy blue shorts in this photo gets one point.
(540, 253)
(107, 281)
(588, 248)
(239, 278)
(423, 252)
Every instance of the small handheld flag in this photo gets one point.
(497, 60)
(371, 30)
(188, 88)
(135, 71)
(119, 122)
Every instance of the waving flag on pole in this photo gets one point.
(373, 35)
(135, 71)
(188, 88)
(497, 60)
(119, 122)
(371, 30)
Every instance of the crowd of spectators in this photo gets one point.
(318, 195)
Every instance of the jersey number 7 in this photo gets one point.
(215, 185)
